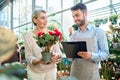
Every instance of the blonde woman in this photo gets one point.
(35, 68)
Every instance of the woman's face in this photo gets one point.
(41, 20)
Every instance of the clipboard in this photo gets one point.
(71, 48)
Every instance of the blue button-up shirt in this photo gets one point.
(100, 44)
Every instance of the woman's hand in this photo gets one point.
(55, 58)
(37, 61)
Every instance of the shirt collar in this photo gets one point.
(89, 26)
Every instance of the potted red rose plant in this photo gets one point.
(45, 40)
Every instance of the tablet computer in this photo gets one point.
(71, 48)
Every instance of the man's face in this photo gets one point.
(79, 17)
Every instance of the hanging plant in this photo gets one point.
(105, 20)
(113, 19)
(98, 22)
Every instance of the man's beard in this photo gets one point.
(82, 22)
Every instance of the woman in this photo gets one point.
(36, 69)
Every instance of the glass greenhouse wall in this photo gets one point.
(16, 15)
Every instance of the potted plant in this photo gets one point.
(45, 40)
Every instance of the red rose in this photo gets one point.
(51, 32)
(47, 38)
(57, 32)
(40, 33)
(60, 38)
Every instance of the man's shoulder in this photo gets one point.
(97, 29)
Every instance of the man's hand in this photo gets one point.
(85, 55)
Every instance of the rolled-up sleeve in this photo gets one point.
(103, 50)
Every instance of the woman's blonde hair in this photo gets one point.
(36, 13)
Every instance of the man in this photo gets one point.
(86, 68)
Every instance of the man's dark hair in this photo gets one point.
(80, 6)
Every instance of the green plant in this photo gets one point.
(75, 27)
(63, 67)
(64, 64)
(53, 24)
(113, 18)
(105, 20)
(106, 71)
(21, 43)
(13, 69)
(22, 52)
(98, 21)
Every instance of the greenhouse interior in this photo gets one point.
(31, 28)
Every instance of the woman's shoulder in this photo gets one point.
(28, 35)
